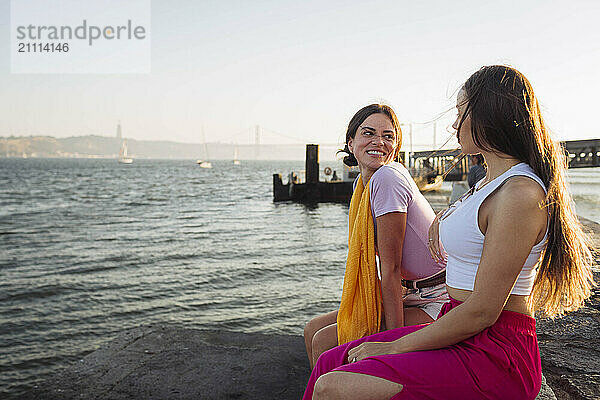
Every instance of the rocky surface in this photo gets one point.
(570, 349)
(570, 346)
(172, 362)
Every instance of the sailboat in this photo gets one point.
(123, 159)
(204, 163)
(235, 156)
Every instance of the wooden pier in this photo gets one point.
(313, 190)
(583, 153)
(580, 154)
(439, 161)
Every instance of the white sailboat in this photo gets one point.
(123, 159)
(204, 163)
(235, 156)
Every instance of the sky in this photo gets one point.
(300, 70)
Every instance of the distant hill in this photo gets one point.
(108, 147)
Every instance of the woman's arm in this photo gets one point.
(434, 237)
(391, 228)
(513, 226)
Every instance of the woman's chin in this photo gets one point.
(466, 149)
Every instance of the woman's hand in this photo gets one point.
(433, 237)
(370, 349)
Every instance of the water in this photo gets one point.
(585, 187)
(89, 248)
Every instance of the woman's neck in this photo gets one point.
(497, 165)
(365, 174)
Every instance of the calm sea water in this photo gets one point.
(585, 188)
(89, 248)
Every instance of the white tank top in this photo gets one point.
(463, 241)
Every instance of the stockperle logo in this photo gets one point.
(74, 36)
(85, 31)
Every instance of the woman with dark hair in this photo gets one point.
(389, 218)
(514, 247)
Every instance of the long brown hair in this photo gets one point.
(359, 118)
(505, 117)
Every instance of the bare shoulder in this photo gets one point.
(522, 198)
(521, 191)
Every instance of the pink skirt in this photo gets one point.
(500, 362)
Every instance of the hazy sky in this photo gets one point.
(301, 69)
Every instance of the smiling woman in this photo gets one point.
(389, 219)
(374, 145)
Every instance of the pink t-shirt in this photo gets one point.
(392, 189)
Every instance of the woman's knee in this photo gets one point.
(324, 339)
(318, 323)
(327, 387)
(344, 385)
(311, 328)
